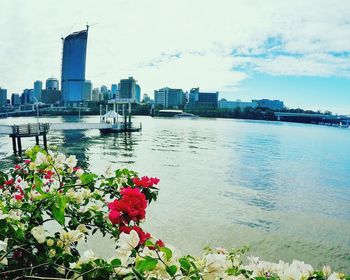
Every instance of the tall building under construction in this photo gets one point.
(73, 68)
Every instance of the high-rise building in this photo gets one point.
(51, 96)
(15, 100)
(105, 92)
(73, 68)
(127, 88)
(206, 100)
(38, 87)
(114, 91)
(95, 95)
(27, 96)
(52, 84)
(3, 97)
(169, 97)
(137, 93)
(87, 90)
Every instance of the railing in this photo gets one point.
(30, 129)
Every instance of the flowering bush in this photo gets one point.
(49, 188)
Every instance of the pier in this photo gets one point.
(28, 130)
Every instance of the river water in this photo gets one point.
(281, 188)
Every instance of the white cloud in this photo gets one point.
(143, 38)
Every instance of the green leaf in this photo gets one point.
(184, 264)
(58, 209)
(171, 270)
(116, 262)
(168, 253)
(149, 243)
(146, 264)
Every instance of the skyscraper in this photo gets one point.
(3, 97)
(87, 90)
(127, 89)
(38, 87)
(52, 84)
(73, 67)
(137, 93)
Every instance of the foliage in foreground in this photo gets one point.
(48, 191)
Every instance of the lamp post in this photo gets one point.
(37, 110)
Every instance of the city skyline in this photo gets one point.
(294, 51)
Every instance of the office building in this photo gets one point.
(38, 87)
(3, 97)
(73, 68)
(208, 100)
(230, 105)
(52, 84)
(275, 105)
(114, 91)
(95, 95)
(169, 97)
(27, 97)
(127, 89)
(138, 94)
(87, 90)
(15, 100)
(51, 96)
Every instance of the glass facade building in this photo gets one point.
(73, 67)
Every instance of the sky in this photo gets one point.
(294, 50)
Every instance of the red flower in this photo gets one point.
(131, 206)
(114, 217)
(27, 161)
(142, 235)
(9, 182)
(17, 167)
(160, 243)
(48, 174)
(19, 196)
(145, 181)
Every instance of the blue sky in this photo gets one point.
(297, 51)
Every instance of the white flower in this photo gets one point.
(216, 264)
(3, 245)
(87, 257)
(68, 237)
(82, 228)
(2, 215)
(334, 276)
(79, 172)
(129, 241)
(326, 270)
(40, 158)
(15, 214)
(71, 161)
(39, 234)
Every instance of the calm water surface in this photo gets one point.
(282, 188)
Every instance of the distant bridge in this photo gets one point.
(320, 117)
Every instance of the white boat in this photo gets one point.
(186, 116)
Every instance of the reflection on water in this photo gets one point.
(282, 188)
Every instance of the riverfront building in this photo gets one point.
(3, 97)
(73, 68)
(275, 105)
(207, 100)
(52, 84)
(15, 100)
(114, 91)
(38, 87)
(51, 96)
(137, 94)
(127, 89)
(87, 90)
(224, 104)
(169, 97)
